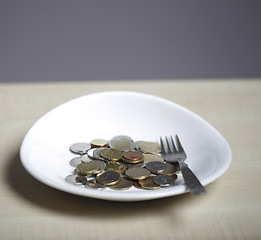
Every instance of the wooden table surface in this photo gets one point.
(230, 210)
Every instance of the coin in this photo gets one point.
(90, 152)
(170, 170)
(116, 166)
(176, 164)
(87, 168)
(150, 147)
(73, 179)
(137, 185)
(164, 180)
(152, 158)
(123, 184)
(99, 143)
(85, 158)
(75, 172)
(132, 157)
(108, 177)
(174, 176)
(148, 183)
(75, 161)
(92, 183)
(136, 145)
(156, 167)
(111, 154)
(80, 148)
(122, 142)
(96, 153)
(131, 165)
(103, 164)
(137, 173)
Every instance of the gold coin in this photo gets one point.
(150, 147)
(152, 158)
(87, 168)
(137, 173)
(93, 184)
(148, 183)
(116, 166)
(111, 154)
(123, 184)
(108, 177)
(170, 170)
(95, 143)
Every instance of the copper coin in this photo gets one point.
(132, 155)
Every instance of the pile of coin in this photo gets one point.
(119, 164)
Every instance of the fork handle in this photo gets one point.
(191, 181)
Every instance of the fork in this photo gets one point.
(172, 154)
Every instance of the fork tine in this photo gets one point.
(163, 150)
(180, 148)
(173, 145)
(168, 145)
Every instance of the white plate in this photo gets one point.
(45, 149)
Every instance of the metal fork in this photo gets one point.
(172, 154)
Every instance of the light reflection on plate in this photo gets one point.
(45, 149)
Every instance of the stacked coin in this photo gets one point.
(119, 164)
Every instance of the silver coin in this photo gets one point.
(75, 161)
(156, 167)
(85, 158)
(80, 148)
(82, 178)
(122, 142)
(75, 172)
(74, 179)
(92, 183)
(103, 164)
(96, 154)
(164, 180)
(90, 152)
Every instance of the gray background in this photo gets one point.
(137, 39)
